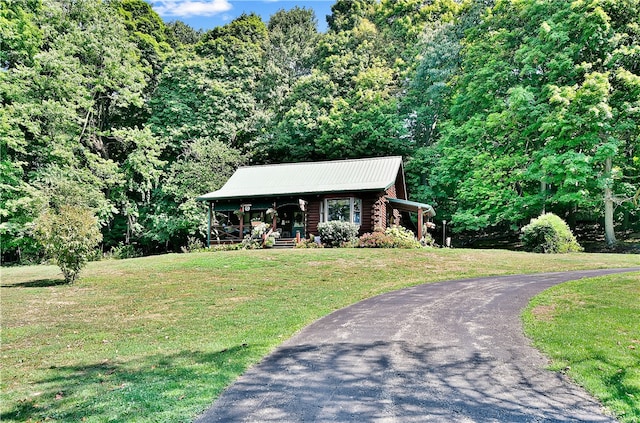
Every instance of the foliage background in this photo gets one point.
(502, 110)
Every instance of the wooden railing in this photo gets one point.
(226, 233)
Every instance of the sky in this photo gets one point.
(207, 14)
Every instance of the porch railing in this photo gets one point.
(226, 233)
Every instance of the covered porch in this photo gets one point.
(231, 221)
(421, 209)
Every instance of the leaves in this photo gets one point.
(68, 235)
(502, 109)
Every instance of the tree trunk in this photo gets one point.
(543, 191)
(609, 232)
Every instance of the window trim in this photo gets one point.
(353, 202)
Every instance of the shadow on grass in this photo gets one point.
(620, 382)
(154, 388)
(41, 283)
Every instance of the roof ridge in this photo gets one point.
(321, 162)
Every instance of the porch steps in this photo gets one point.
(282, 243)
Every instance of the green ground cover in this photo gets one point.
(158, 338)
(590, 329)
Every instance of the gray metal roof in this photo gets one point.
(412, 206)
(309, 178)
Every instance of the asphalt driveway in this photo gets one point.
(451, 352)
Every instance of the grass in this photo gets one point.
(591, 330)
(158, 338)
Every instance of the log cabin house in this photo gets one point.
(295, 197)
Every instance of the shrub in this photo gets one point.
(376, 239)
(125, 251)
(308, 243)
(222, 247)
(402, 237)
(427, 240)
(69, 236)
(549, 234)
(392, 237)
(194, 244)
(256, 239)
(337, 233)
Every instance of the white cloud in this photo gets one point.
(188, 8)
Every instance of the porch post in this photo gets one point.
(420, 223)
(241, 217)
(209, 225)
(275, 212)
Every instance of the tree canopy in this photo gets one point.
(502, 110)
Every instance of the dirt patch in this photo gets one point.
(544, 313)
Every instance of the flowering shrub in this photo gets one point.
(549, 234)
(393, 237)
(257, 239)
(402, 237)
(308, 243)
(337, 233)
(377, 239)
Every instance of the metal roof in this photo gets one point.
(412, 206)
(374, 174)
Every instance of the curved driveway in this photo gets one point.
(450, 351)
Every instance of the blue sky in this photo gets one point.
(207, 14)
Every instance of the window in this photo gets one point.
(342, 209)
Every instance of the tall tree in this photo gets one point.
(540, 113)
(212, 92)
(60, 103)
(290, 52)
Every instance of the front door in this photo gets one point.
(291, 220)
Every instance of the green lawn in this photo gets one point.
(158, 338)
(591, 330)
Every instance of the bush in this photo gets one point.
(337, 234)
(376, 239)
(402, 237)
(308, 243)
(549, 234)
(392, 237)
(257, 239)
(428, 241)
(221, 247)
(122, 251)
(69, 236)
(194, 244)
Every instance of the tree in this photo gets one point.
(20, 204)
(180, 35)
(346, 14)
(20, 37)
(149, 33)
(212, 92)
(62, 101)
(69, 236)
(204, 166)
(345, 108)
(540, 113)
(290, 53)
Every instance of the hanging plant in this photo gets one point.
(271, 212)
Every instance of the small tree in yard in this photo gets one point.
(69, 236)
